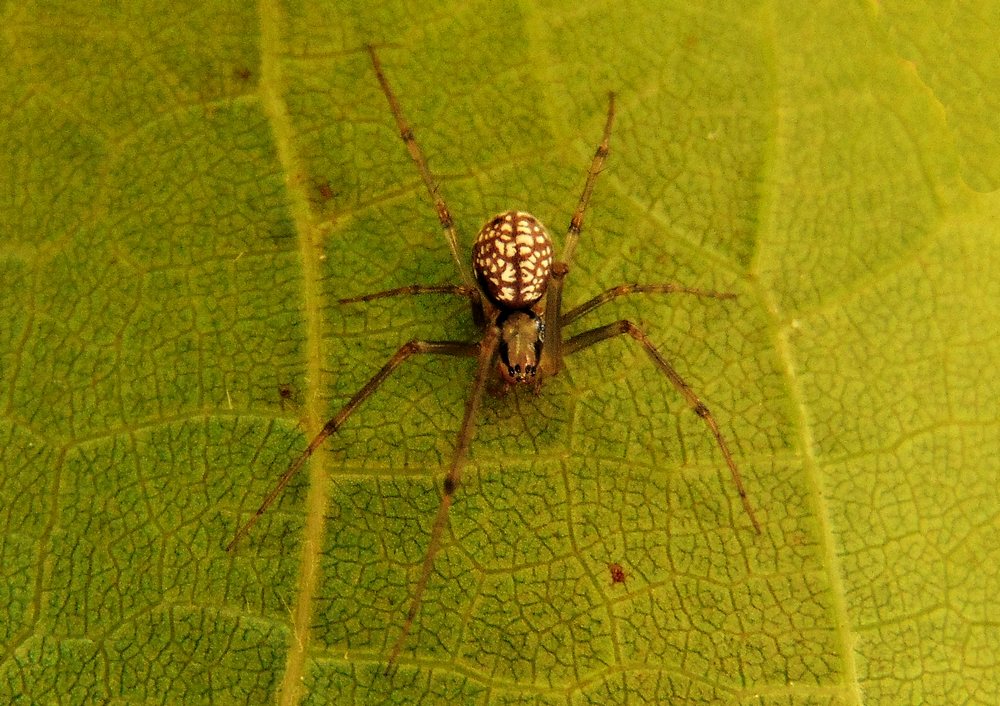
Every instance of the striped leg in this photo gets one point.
(406, 133)
(576, 222)
(618, 328)
(487, 360)
(626, 289)
(453, 348)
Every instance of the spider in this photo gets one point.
(516, 302)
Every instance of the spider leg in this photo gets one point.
(487, 356)
(576, 222)
(457, 289)
(618, 328)
(478, 315)
(406, 133)
(452, 348)
(552, 355)
(625, 289)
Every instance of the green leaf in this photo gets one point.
(188, 188)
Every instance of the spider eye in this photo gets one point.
(515, 373)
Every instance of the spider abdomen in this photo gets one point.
(512, 259)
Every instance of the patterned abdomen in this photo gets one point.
(512, 259)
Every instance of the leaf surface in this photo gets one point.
(188, 190)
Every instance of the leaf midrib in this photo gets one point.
(276, 110)
(781, 326)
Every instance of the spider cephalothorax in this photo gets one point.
(522, 334)
(512, 261)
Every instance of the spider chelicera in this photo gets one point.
(516, 301)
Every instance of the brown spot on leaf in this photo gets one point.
(618, 574)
